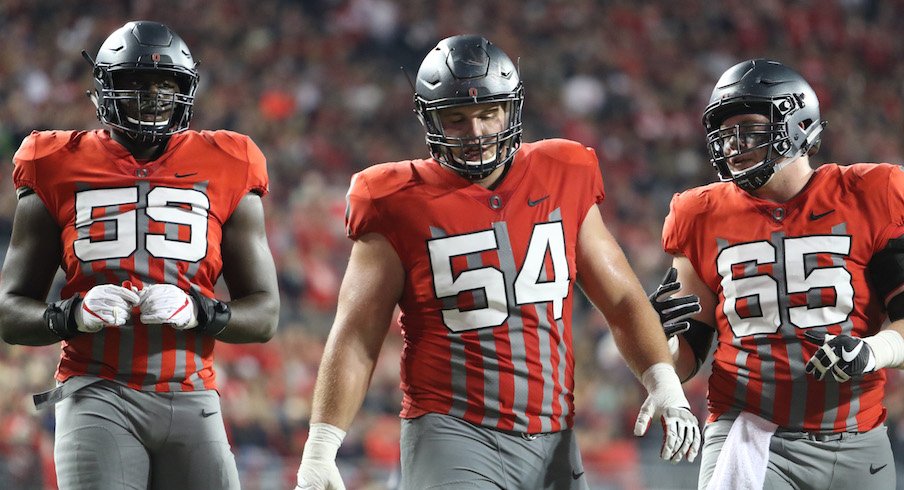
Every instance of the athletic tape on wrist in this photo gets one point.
(888, 348)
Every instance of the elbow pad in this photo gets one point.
(885, 272)
(700, 339)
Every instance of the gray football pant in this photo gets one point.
(441, 451)
(112, 437)
(848, 460)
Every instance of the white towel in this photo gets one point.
(744, 456)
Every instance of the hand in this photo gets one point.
(318, 470)
(681, 431)
(843, 355)
(107, 305)
(166, 304)
(673, 312)
(319, 475)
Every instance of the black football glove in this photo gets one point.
(673, 312)
(845, 356)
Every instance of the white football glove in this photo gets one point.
(107, 305)
(318, 470)
(681, 431)
(166, 304)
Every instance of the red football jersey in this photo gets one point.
(153, 223)
(486, 309)
(781, 268)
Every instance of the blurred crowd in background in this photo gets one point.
(323, 87)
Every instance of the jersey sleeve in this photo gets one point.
(599, 190)
(24, 172)
(890, 185)
(361, 215)
(32, 163)
(895, 194)
(675, 228)
(258, 181)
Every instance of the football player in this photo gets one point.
(144, 217)
(796, 270)
(481, 246)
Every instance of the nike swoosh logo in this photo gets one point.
(186, 305)
(814, 216)
(534, 202)
(205, 413)
(873, 470)
(575, 476)
(182, 176)
(850, 356)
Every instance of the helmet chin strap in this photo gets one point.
(782, 164)
(773, 169)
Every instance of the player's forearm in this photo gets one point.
(22, 321)
(638, 334)
(254, 319)
(342, 383)
(684, 359)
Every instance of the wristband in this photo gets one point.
(213, 315)
(59, 317)
(323, 442)
(661, 379)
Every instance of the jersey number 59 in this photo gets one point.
(120, 233)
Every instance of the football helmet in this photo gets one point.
(766, 87)
(466, 70)
(148, 111)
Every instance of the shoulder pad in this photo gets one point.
(230, 142)
(563, 150)
(388, 178)
(40, 144)
(699, 200)
(864, 175)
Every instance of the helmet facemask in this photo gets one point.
(769, 139)
(148, 105)
(474, 157)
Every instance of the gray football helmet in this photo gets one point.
(465, 70)
(144, 48)
(766, 87)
